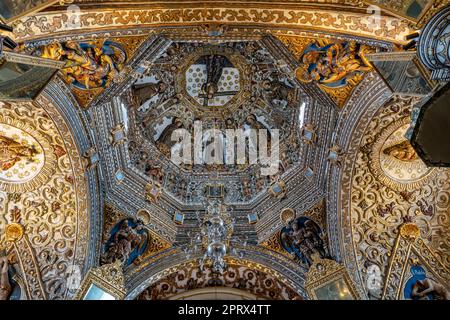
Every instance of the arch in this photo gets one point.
(215, 293)
(289, 274)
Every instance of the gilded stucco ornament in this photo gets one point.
(337, 21)
(409, 231)
(152, 192)
(33, 218)
(14, 232)
(390, 186)
(27, 157)
(337, 67)
(415, 270)
(328, 280)
(108, 278)
(287, 215)
(395, 162)
(90, 66)
(241, 274)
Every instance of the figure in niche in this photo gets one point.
(246, 189)
(127, 242)
(5, 285)
(11, 152)
(230, 123)
(252, 122)
(420, 286)
(164, 142)
(146, 91)
(334, 65)
(155, 172)
(303, 237)
(278, 90)
(402, 151)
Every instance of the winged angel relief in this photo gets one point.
(303, 238)
(88, 65)
(128, 241)
(334, 65)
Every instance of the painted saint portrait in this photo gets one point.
(128, 241)
(21, 155)
(303, 238)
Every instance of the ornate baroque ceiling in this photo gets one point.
(86, 177)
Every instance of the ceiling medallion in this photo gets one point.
(27, 159)
(395, 162)
(214, 77)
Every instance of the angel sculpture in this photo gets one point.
(333, 65)
(304, 239)
(127, 243)
(88, 65)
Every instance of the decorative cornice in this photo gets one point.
(43, 24)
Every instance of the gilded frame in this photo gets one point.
(326, 272)
(108, 278)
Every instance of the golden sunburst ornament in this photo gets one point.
(14, 232)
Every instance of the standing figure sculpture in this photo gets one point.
(12, 152)
(214, 68)
(5, 285)
(164, 141)
(147, 91)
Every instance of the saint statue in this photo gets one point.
(5, 285)
(12, 152)
(214, 68)
(146, 91)
(164, 141)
